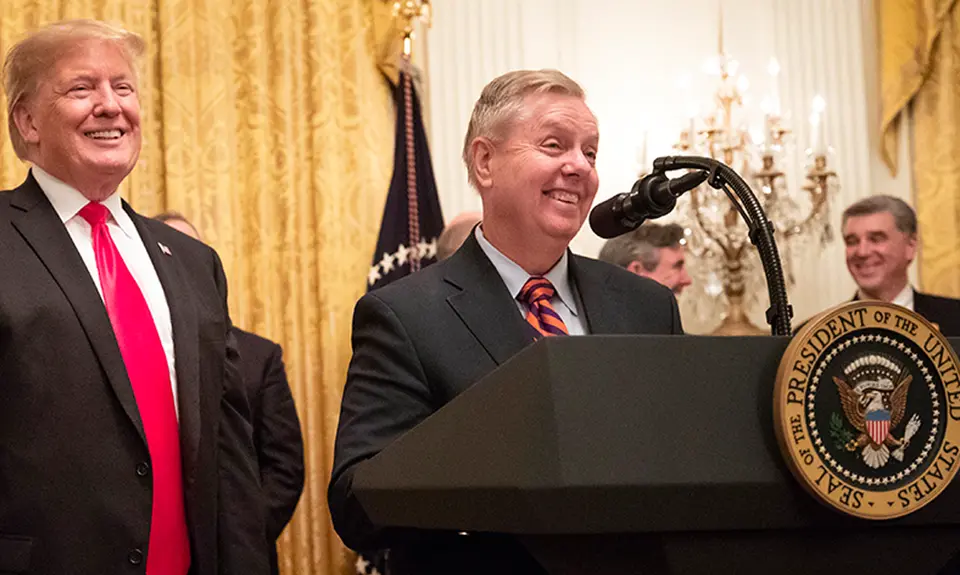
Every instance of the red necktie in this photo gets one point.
(168, 550)
(536, 294)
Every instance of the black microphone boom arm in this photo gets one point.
(761, 232)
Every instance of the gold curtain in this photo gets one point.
(269, 125)
(920, 68)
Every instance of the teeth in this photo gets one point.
(562, 196)
(105, 134)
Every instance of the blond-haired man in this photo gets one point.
(530, 151)
(124, 443)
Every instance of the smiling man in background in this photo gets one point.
(654, 251)
(880, 235)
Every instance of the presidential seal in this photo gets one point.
(867, 410)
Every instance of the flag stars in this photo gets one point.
(401, 255)
(427, 249)
(390, 262)
(373, 276)
(386, 263)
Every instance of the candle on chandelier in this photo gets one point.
(817, 132)
(773, 68)
(766, 106)
(642, 152)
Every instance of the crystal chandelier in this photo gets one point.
(725, 266)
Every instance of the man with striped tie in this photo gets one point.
(530, 151)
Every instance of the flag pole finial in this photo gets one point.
(408, 12)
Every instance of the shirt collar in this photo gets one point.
(905, 297)
(515, 276)
(68, 201)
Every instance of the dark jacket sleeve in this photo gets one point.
(386, 394)
(279, 445)
(241, 529)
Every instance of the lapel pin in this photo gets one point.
(164, 249)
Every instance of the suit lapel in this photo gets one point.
(185, 340)
(484, 304)
(601, 311)
(42, 229)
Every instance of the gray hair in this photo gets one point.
(32, 58)
(642, 244)
(903, 215)
(502, 99)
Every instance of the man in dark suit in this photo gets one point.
(276, 427)
(880, 234)
(530, 151)
(125, 443)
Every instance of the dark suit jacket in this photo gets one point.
(75, 495)
(276, 432)
(943, 311)
(418, 343)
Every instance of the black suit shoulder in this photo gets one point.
(622, 279)
(427, 285)
(254, 349)
(943, 311)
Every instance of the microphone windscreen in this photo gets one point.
(604, 222)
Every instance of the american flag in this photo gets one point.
(411, 224)
(412, 220)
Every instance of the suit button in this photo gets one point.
(143, 469)
(135, 557)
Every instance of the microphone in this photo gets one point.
(651, 197)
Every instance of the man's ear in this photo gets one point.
(25, 122)
(636, 267)
(482, 152)
(911, 248)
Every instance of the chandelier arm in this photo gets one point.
(730, 193)
(702, 223)
(819, 201)
(761, 232)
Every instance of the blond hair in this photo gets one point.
(502, 99)
(32, 58)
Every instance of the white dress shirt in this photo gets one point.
(564, 300)
(68, 202)
(905, 298)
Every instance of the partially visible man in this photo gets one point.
(530, 151)
(276, 427)
(125, 440)
(654, 251)
(880, 234)
(455, 233)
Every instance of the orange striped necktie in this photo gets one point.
(536, 295)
